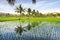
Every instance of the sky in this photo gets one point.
(43, 6)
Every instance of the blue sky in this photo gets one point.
(41, 5)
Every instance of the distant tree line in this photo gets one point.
(34, 13)
(30, 13)
(7, 15)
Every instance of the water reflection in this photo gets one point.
(29, 31)
(29, 26)
(19, 29)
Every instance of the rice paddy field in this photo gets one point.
(34, 28)
(2, 19)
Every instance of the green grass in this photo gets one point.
(2, 19)
(29, 19)
(42, 19)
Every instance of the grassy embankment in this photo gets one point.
(2, 19)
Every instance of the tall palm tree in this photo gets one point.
(29, 11)
(33, 11)
(19, 9)
(13, 1)
(37, 14)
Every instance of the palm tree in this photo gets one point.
(19, 9)
(29, 11)
(33, 12)
(37, 13)
(13, 1)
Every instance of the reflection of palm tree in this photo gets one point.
(28, 26)
(13, 1)
(34, 24)
(19, 29)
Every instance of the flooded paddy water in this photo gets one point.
(31, 31)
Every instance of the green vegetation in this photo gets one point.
(2, 19)
(31, 19)
(41, 19)
(28, 12)
(32, 15)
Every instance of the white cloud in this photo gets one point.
(6, 8)
(42, 6)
